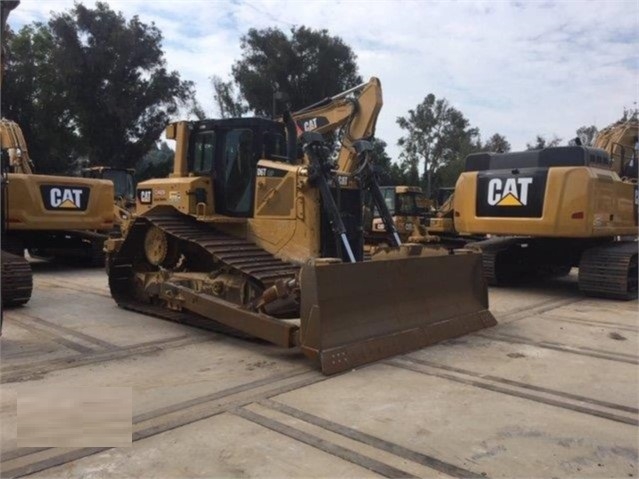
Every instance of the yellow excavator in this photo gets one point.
(250, 237)
(48, 215)
(554, 209)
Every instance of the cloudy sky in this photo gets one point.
(517, 68)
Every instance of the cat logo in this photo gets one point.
(310, 124)
(65, 197)
(508, 192)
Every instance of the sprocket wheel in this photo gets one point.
(156, 246)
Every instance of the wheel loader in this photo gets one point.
(551, 210)
(249, 237)
(48, 215)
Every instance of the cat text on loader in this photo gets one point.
(550, 210)
(247, 236)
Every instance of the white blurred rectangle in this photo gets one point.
(75, 417)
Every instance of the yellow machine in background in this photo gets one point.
(548, 211)
(123, 180)
(48, 215)
(51, 216)
(620, 141)
(408, 208)
(249, 235)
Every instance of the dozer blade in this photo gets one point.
(356, 313)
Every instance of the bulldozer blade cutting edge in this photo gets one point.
(357, 313)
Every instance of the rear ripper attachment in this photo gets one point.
(340, 312)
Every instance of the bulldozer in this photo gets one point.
(249, 237)
(553, 209)
(47, 215)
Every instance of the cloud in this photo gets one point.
(520, 69)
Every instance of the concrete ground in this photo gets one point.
(552, 391)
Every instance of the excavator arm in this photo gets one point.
(356, 110)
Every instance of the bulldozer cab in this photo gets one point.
(228, 151)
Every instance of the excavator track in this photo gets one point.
(17, 280)
(610, 271)
(234, 254)
(496, 270)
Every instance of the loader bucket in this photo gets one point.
(356, 313)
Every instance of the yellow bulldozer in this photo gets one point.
(554, 209)
(48, 215)
(249, 236)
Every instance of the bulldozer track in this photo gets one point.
(17, 280)
(610, 271)
(238, 255)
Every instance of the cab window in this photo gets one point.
(239, 171)
(389, 198)
(203, 152)
(274, 146)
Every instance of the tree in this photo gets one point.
(229, 103)
(107, 77)
(33, 97)
(587, 134)
(630, 114)
(389, 173)
(541, 142)
(437, 134)
(497, 143)
(308, 66)
(157, 163)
